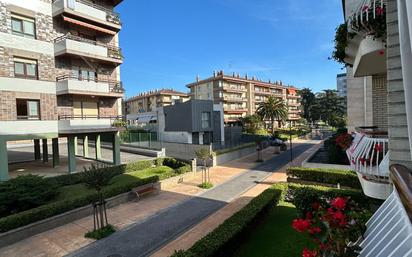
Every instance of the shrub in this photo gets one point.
(328, 176)
(25, 192)
(173, 163)
(101, 233)
(55, 208)
(335, 153)
(303, 196)
(140, 165)
(227, 233)
(184, 169)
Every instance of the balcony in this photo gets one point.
(234, 89)
(233, 99)
(369, 158)
(370, 58)
(78, 46)
(70, 124)
(68, 84)
(235, 110)
(89, 11)
(28, 127)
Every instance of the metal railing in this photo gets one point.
(389, 230)
(112, 50)
(360, 18)
(114, 86)
(233, 88)
(113, 119)
(369, 156)
(112, 16)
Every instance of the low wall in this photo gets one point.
(227, 157)
(18, 234)
(182, 151)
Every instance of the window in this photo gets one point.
(205, 120)
(23, 26)
(28, 109)
(25, 68)
(83, 74)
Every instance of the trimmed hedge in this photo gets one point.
(215, 243)
(55, 208)
(328, 176)
(115, 188)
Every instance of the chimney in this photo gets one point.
(197, 78)
(246, 76)
(233, 74)
(214, 74)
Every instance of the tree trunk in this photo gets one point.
(273, 125)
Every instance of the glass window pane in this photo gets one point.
(31, 69)
(92, 75)
(84, 74)
(16, 25)
(28, 28)
(33, 108)
(19, 68)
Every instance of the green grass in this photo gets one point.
(74, 191)
(275, 236)
(206, 185)
(101, 233)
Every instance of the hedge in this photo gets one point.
(328, 176)
(227, 233)
(55, 208)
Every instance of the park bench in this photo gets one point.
(145, 189)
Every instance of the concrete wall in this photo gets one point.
(78, 85)
(398, 133)
(23, 127)
(227, 157)
(182, 151)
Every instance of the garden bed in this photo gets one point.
(72, 193)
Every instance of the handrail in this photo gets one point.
(85, 117)
(88, 41)
(401, 178)
(114, 85)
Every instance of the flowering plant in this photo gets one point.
(344, 141)
(372, 20)
(333, 227)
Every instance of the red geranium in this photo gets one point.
(309, 253)
(338, 203)
(379, 10)
(344, 141)
(301, 225)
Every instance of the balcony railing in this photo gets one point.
(112, 50)
(235, 89)
(389, 231)
(366, 10)
(113, 17)
(114, 86)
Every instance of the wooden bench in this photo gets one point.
(145, 189)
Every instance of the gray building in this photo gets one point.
(342, 88)
(193, 122)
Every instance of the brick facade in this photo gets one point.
(380, 102)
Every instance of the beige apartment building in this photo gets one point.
(149, 101)
(240, 96)
(59, 76)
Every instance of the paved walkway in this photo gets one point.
(68, 238)
(143, 238)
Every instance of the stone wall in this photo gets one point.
(380, 102)
(398, 133)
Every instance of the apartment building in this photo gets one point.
(59, 76)
(149, 101)
(240, 96)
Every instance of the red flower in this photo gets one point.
(331, 211)
(309, 253)
(365, 8)
(309, 215)
(379, 11)
(382, 52)
(314, 230)
(300, 225)
(339, 203)
(379, 148)
(315, 205)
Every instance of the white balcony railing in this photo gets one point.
(369, 158)
(366, 9)
(389, 231)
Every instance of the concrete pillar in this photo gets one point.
(37, 155)
(86, 146)
(55, 147)
(76, 151)
(98, 148)
(71, 153)
(4, 162)
(45, 151)
(116, 148)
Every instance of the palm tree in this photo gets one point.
(274, 109)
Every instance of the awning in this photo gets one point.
(292, 91)
(146, 119)
(87, 25)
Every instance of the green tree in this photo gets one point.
(274, 109)
(205, 155)
(95, 177)
(307, 99)
(328, 106)
(252, 123)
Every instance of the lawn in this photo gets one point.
(275, 236)
(78, 190)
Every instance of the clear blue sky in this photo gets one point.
(166, 43)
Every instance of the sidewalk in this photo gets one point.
(186, 240)
(70, 237)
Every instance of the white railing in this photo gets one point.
(389, 231)
(369, 156)
(366, 9)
